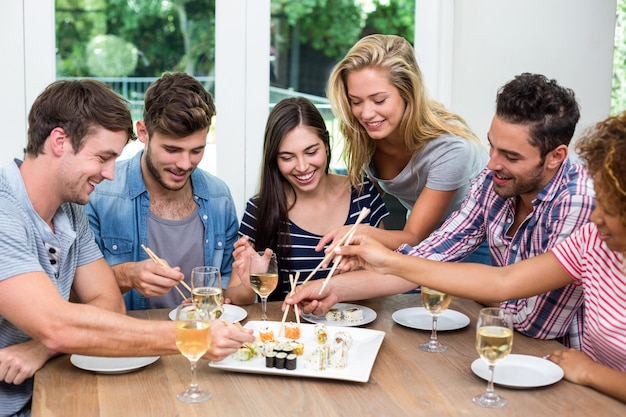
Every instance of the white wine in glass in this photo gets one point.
(494, 340)
(263, 277)
(435, 302)
(206, 290)
(193, 338)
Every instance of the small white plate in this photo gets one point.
(232, 313)
(111, 365)
(520, 371)
(369, 316)
(419, 318)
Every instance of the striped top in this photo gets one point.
(560, 208)
(29, 245)
(600, 272)
(303, 256)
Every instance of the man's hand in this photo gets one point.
(226, 339)
(20, 362)
(151, 279)
(241, 265)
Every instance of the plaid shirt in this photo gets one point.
(563, 206)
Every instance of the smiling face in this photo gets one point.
(375, 102)
(302, 159)
(518, 167)
(168, 162)
(95, 162)
(611, 225)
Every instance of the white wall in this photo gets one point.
(27, 51)
(491, 41)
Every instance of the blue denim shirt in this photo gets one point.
(118, 214)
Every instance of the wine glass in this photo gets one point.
(193, 338)
(206, 290)
(263, 277)
(494, 340)
(435, 303)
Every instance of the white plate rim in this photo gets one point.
(232, 313)
(107, 365)
(448, 320)
(369, 316)
(551, 372)
(361, 356)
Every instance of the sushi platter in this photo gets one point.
(359, 358)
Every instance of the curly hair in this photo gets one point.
(602, 149)
(423, 119)
(548, 109)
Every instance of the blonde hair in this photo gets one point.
(424, 119)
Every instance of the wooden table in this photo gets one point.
(404, 381)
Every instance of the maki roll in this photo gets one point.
(354, 314)
(334, 314)
(344, 339)
(292, 331)
(291, 361)
(321, 333)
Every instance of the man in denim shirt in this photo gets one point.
(160, 199)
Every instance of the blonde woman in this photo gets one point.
(407, 143)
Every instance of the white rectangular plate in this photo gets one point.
(361, 357)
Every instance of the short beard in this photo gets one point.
(157, 175)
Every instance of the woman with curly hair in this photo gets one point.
(592, 257)
(406, 142)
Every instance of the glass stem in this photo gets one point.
(433, 334)
(193, 386)
(490, 391)
(263, 308)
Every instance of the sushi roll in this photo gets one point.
(292, 331)
(343, 338)
(321, 333)
(270, 360)
(243, 354)
(337, 357)
(334, 314)
(354, 314)
(279, 362)
(317, 360)
(291, 361)
(266, 334)
(298, 347)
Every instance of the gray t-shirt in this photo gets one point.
(176, 241)
(27, 244)
(444, 164)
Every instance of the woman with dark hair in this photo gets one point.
(298, 200)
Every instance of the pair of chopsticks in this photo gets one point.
(293, 281)
(345, 240)
(161, 262)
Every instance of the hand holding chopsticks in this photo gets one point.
(161, 262)
(345, 239)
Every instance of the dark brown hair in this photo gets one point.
(177, 105)
(76, 106)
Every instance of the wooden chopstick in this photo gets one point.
(293, 283)
(161, 262)
(349, 235)
(364, 212)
